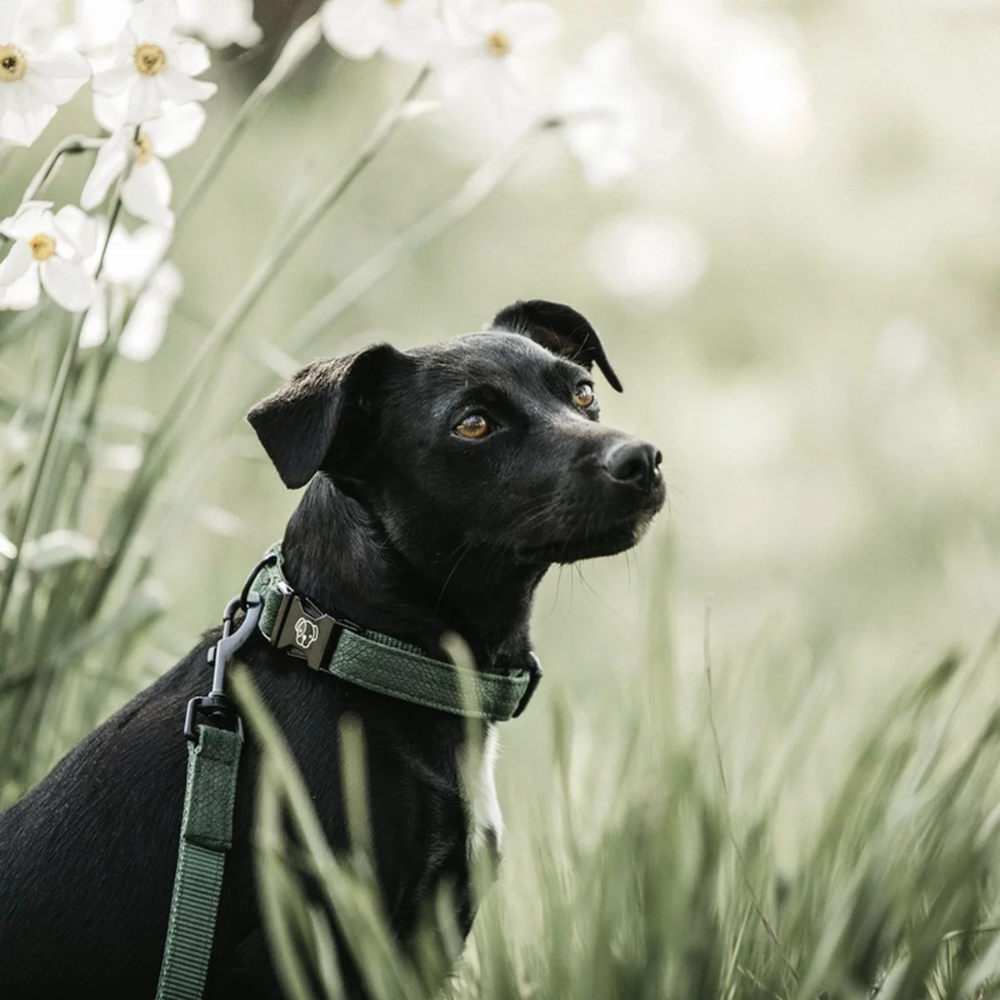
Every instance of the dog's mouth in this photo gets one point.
(588, 544)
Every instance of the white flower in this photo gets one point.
(50, 249)
(32, 82)
(220, 22)
(647, 258)
(407, 30)
(97, 24)
(134, 277)
(753, 75)
(153, 64)
(145, 328)
(610, 110)
(486, 61)
(147, 190)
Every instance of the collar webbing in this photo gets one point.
(293, 624)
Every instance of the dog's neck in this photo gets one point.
(340, 556)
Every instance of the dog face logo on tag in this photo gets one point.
(306, 633)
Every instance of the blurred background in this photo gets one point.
(798, 284)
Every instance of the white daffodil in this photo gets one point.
(153, 64)
(407, 30)
(220, 22)
(147, 190)
(610, 110)
(486, 61)
(134, 280)
(50, 249)
(33, 82)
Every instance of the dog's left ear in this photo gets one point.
(559, 329)
(311, 422)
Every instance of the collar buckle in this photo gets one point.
(303, 631)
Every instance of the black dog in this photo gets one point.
(450, 478)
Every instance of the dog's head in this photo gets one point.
(486, 443)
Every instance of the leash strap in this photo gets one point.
(379, 662)
(206, 836)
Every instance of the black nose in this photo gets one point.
(635, 463)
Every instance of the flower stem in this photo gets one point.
(48, 432)
(477, 187)
(70, 145)
(302, 41)
(197, 375)
(49, 168)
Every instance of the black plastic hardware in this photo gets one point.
(534, 678)
(303, 631)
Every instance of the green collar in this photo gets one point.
(293, 624)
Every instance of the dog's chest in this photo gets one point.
(485, 819)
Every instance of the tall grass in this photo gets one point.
(650, 878)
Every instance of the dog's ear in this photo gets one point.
(309, 423)
(559, 329)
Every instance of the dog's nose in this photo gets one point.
(635, 463)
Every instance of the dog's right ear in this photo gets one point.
(310, 423)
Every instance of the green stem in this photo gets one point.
(477, 187)
(48, 431)
(302, 41)
(193, 380)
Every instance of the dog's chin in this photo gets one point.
(607, 541)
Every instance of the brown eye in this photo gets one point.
(584, 395)
(475, 425)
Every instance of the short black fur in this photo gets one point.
(409, 528)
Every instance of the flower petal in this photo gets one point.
(115, 80)
(95, 326)
(189, 56)
(77, 229)
(23, 127)
(153, 21)
(144, 98)
(175, 130)
(528, 23)
(144, 331)
(23, 293)
(15, 265)
(414, 32)
(146, 193)
(31, 217)
(131, 257)
(57, 76)
(356, 28)
(111, 160)
(175, 86)
(67, 283)
(10, 14)
(110, 112)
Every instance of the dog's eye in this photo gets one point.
(475, 425)
(584, 395)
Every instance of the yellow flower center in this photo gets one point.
(149, 59)
(42, 246)
(13, 65)
(144, 147)
(498, 43)
(395, 3)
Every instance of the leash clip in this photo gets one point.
(217, 708)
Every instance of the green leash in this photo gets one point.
(372, 660)
(206, 836)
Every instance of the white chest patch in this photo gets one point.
(485, 820)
